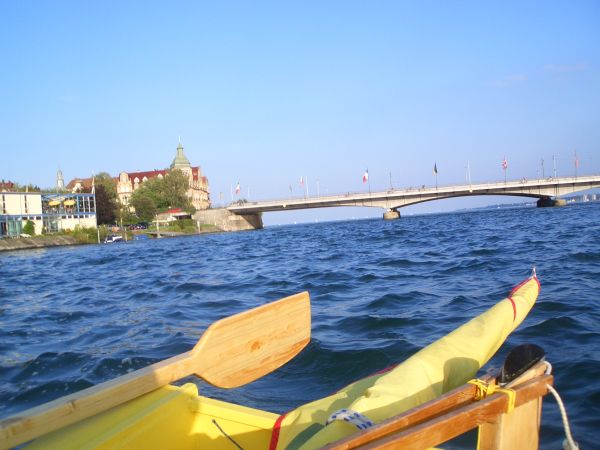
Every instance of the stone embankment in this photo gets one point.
(225, 220)
(36, 242)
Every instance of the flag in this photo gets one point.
(576, 161)
(301, 181)
(504, 164)
(435, 168)
(366, 176)
(237, 188)
(93, 185)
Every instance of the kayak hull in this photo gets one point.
(170, 417)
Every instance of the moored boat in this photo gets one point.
(113, 238)
(159, 415)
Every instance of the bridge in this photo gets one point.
(548, 191)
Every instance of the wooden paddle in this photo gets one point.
(232, 352)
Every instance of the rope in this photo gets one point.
(226, 435)
(569, 443)
(485, 389)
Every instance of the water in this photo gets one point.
(75, 316)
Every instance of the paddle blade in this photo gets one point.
(242, 348)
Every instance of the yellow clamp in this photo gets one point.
(485, 389)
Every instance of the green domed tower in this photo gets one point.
(180, 162)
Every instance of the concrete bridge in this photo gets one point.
(548, 191)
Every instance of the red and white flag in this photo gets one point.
(366, 176)
(576, 161)
(504, 164)
(301, 181)
(237, 189)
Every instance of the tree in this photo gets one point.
(105, 206)
(175, 187)
(29, 228)
(109, 184)
(166, 193)
(145, 207)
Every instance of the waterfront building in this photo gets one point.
(129, 182)
(48, 212)
(198, 192)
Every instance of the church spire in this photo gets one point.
(60, 181)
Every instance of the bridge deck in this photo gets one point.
(396, 198)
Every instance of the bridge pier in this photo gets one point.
(548, 202)
(391, 214)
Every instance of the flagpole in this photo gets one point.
(543, 174)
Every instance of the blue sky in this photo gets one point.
(266, 92)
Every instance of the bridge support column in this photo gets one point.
(224, 220)
(548, 202)
(391, 214)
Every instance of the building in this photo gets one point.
(79, 185)
(48, 212)
(198, 192)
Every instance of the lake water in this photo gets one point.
(75, 316)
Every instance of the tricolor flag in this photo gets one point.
(237, 189)
(435, 168)
(366, 176)
(301, 181)
(504, 164)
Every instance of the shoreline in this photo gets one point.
(22, 243)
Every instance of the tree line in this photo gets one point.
(151, 197)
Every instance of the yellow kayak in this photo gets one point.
(177, 417)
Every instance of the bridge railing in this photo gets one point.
(532, 182)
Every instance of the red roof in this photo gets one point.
(148, 174)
